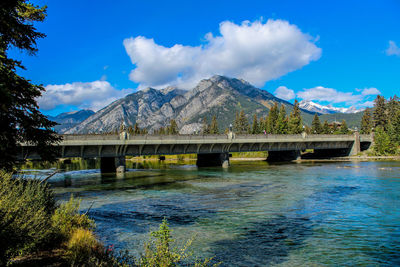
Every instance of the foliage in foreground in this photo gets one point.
(386, 120)
(26, 207)
(20, 117)
(31, 222)
(160, 252)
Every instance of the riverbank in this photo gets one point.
(348, 158)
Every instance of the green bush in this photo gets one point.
(25, 210)
(159, 251)
(383, 143)
(30, 222)
(66, 219)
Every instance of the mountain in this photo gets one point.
(317, 108)
(68, 120)
(150, 108)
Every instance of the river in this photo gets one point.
(251, 214)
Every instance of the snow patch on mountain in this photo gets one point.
(318, 108)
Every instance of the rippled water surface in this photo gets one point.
(252, 214)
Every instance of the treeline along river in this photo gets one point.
(251, 214)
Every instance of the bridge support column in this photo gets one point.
(280, 156)
(356, 148)
(112, 164)
(213, 160)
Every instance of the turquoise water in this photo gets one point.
(252, 214)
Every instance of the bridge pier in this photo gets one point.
(213, 160)
(356, 147)
(112, 164)
(280, 156)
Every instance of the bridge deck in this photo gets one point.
(89, 146)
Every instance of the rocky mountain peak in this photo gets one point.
(218, 96)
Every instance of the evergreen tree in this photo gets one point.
(173, 127)
(295, 120)
(255, 127)
(144, 131)
(393, 106)
(261, 125)
(273, 119)
(266, 125)
(383, 144)
(130, 129)
(395, 129)
(236, 126)
(366, 122)
(214, 126)
(20, 118)
(161, 131)
(282, 122)
(325, 128)
(136, 129)
(380, 116)
(205, 127)
(243, 123)
(343, 128)
(316, 127)
(307, 129)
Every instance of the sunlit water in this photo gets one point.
(252, 214)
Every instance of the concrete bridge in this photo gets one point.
(211, 150)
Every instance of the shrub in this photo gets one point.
(83, 246)
(159, 252)
(25, 210)
(66, 219)
(383, 144)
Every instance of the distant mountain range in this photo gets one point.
(151, 108)
(67, 120)
(317, 108)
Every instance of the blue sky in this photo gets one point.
(331, 52)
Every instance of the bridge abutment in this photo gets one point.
(112, 164)
(213, 160)
(280, 156)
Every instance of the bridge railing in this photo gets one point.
(81, 137)
(90, 137)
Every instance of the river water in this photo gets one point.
(251, 214)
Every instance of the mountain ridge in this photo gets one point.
(218, 96)
(67, 120)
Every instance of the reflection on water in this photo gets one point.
(251, 214)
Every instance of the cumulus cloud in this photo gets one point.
(321, 93)
(367, 104)
(254, 51)
(370, 91)
(330, 95)
(92, 95)
(393, 49)
(284, 93)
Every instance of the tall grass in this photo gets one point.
(26, 207)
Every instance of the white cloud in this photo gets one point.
(370, 91)
(93, 95)
(284, 93)
(257, 52)
(393, 49)
(333, 96)
(367, 104)
(320, 93)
